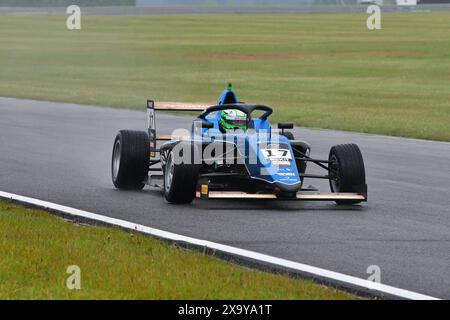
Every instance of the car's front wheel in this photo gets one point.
(180, 179)
(346, 170)
(130, 159)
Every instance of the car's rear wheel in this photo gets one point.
(298, 146)
(180, 179)
(346, 170)
(130, 159)
(289, 135)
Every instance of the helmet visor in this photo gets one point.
(237, 123)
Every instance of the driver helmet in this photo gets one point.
(232, 119)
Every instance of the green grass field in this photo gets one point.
(36, 248)
(319, 70)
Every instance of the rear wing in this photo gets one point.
(153, 106)
(181, 106)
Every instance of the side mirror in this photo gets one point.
(207, 125)
(284, 125)
(204, 124)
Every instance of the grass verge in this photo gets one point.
(37, 248)
(319, 70)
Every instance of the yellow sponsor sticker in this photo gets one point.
(152, 154)
(204, 189)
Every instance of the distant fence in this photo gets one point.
(175, 9)
(65, 3)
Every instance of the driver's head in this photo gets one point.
(232, 119)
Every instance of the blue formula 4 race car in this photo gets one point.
(232, 152)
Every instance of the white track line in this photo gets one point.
(304, 268)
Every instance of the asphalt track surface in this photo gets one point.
(61, 153)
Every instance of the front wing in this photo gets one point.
(204, 193)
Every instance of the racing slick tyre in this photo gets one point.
(289, 135)
(180, 179)
(130, 160)
(346, 170)
(301, 165)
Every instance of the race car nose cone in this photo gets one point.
(281, 188)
